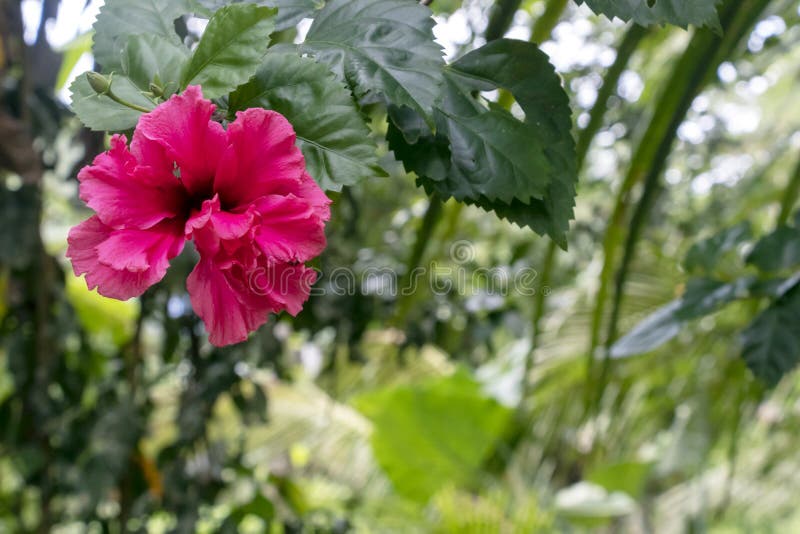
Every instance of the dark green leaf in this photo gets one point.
(646, 12)
(771, 344)
(330, 131)
(100, 112)
(427, 436)
(119, 19)
(228, 54)
(705, 255)
(290, 12)
(524, 171)
(777, 251)
(382, 48)
(150, 57)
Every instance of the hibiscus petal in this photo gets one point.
(121, 195)
(315, 196)
(91, 239)
(262, 158)
(290, 229)
(180, 132)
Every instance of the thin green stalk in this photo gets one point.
(696, 68)
(790, 196)
(627, 47)
(544, 25)
(500, 18)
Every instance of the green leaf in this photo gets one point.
(330, 130)
(383, 49)
(103, 114)
(431, 435)
(771, 344)
(702, 297)
(119, 19)
(524, 171)
(290, 12)
(705, 255)
(777, 251)
(648, 12)
(72, 53)
(628, 477)
(231, 49)
(150, 57)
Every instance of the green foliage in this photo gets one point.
(72, 52)
(706, 255)
(18, 226)
(100, 113)
(149, 58)
(771, 344)
(778, 251)
(646, 12)
(524, 170)
(384, 49)
(433, 433)
(330, 130)
(119, 19)
(231, 48)
(290, 12)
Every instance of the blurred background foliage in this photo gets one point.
(439, 411)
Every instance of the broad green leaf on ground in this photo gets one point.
(525, 171)
(384, 49)
(431, 435)
(702, 297)
(119, 19)
(148, 58)
(103, 114)
(771, 344)
(647, 12)
(290, 12)
(777, 251)
(705, 255)
(231, 49)
(330, 130)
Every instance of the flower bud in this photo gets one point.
(98, 82)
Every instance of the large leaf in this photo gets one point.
(330, 131)
(103, 114)
(148, 58)
(702, 297)
(231, 49)
(771, 344)
(119, 19)
(382, 48)
(646, 12)
(525, 171)
(431, 435)
(705, 255)
(777, 251)
(290, 12)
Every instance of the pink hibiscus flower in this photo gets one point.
(242, 194)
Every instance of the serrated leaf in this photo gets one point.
(149, 57)
(119, 19)
(771, 344)
(525, 171)
(99, 112)
(777, 251)
(231, 49)
(705, 255)
(290, 12)
(428, 435)
(330, 131)
(648, 12)
(382, 48)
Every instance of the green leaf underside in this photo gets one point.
(100, 113)
(447, 423)
(678, 12)
(148, 57)
(522, 170)
(231, 49)
(290, 12)
(330, 131)
(119, 19)
(384, 49)
(771, 344)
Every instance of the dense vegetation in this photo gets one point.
(598, 217)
